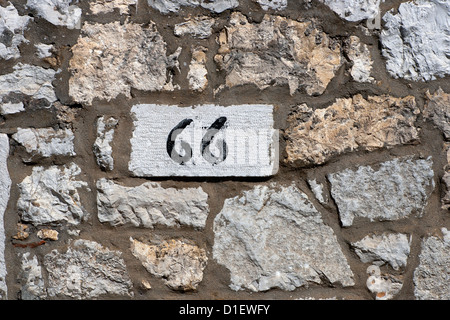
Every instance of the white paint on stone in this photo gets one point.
(149, 204)
(58, 12)
(273, 237)
(416, 40)
(50, 196)
(5, 189)
(46, 142)
(247, 141)
(12, 26)
(397, 189)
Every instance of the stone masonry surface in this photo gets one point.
(224, 149)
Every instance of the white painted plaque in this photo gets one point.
(203, 141)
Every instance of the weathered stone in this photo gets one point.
(43, 50)
(48, 234)
(149, 204)
(388, 248)
(318, 190)
(394, 190)
(437, 109)
(197, 74)
(45, 142)
(26, 80)
(12, 26)
(384, 286)
(431, 277)
(277, 51)
(33, 286)
(58, 12)
(102, 146)
(199, 27)
(205, 141)
(167, 6)
(354, 10)
(273, 4)
(111, 59)
(178, 262)
(273, 237)
(350, 124)
(50, 196)
(361, 58)
(22, 232)
(5, 188)
(106, 6)
(86, 270)
(417, 51)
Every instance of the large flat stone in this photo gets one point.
(350, 124)
(150, 204)
(417, 51)
(393, 190)
(277, 51)
(111, 59)
(273, 237)
(205, 140)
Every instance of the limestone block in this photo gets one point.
(12, 26)
(58, 12)
(273, 237)
(102, 146)
(5, 188)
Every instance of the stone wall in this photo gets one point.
(347, 198)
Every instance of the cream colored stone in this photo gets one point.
(277, 51)
(349, 124)
(178, 262)
(111, 59)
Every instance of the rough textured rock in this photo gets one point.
(318, 189)
(111, 59)
(354, 10)
(58, 12)
(178, 262)
(273, 4)
(197, 75)
(431, 276)
(395, 189)
(361, 58)
(12, 26)
(388, 248)
(43, 50)
(33, 286)
(417, 51)
(273, 237)
(149, 204)
(384, 286)
(199, 27)
(86, 270)
(48, 234)
(105, 6)
(446, 181)
(26, 81)
(5, 187)
(350, 124)
(45, 142)
(167, 6)
(102, 146)
(437, 109)
(50, 196)
(277, 51)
